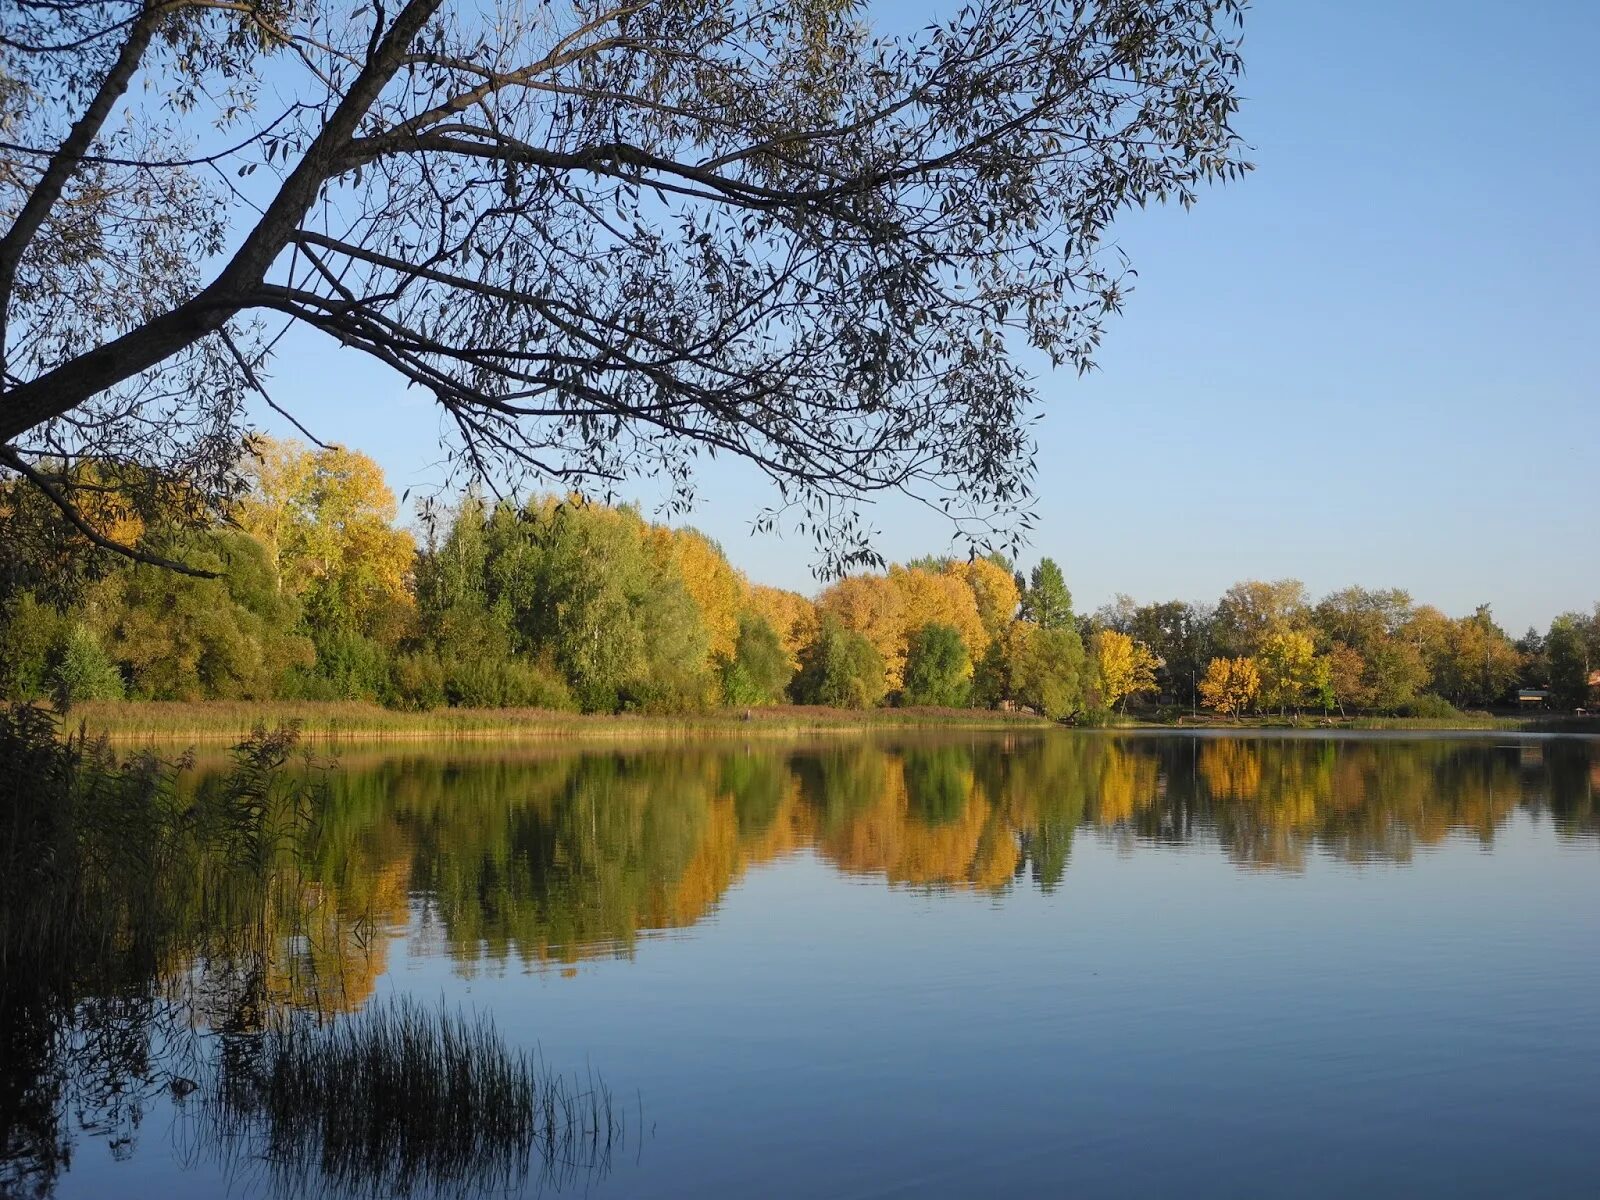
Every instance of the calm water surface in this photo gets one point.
(1060, 964)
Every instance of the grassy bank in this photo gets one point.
(223, 722)
(1529, 723)
(227, 721)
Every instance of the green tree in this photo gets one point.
(840, 669)
(577, 584)
(177, 637)
(1572, 648)
(938, 668)
(759, 671)
(1047, 670)
(1047, 602)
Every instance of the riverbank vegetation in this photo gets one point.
(313, 595)
(164, 937)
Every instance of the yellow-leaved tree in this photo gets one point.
(994, 592)
(872, 606)
(1231, 685)
(326, 519)
(1289, 669)
(719, 590)
(792, 616)
(1122, 667)
(938, 598)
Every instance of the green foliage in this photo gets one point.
(349, 666)
(938, 783)
(83, 672)
(578, 583)
(991, 675)
(417, 681)
(759, 671)
(1572, 651)
(177, 637)
(938, 669)
(1047, 602)
(30, 641)
(504, 683)
(840, 669)
(1048, 672)
(1428, 706)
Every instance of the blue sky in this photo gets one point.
(1372, 361)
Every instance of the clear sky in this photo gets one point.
(1372, 361)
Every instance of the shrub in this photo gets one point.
(83, 671)
(1428, 706)
(416, 682)
(354, 667)
(505, 683)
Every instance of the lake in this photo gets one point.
(942, 965)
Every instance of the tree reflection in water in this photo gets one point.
(209, 925)
(164, 940)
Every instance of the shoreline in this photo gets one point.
(230, 721)
(220, 722)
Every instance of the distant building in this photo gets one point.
(1533, 697)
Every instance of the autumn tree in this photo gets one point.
(1231, 685)
(1474, 663)
(326, 520)
(1121, 667)
(792, 616)
(1288, 669)
(994, 593)
(1251, 610)
(1572, 648)
(1373, 624)
(1347, 672)
(718, 590)
(874, 607)
(939, 597)
(606, 239)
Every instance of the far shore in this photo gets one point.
(231, 721)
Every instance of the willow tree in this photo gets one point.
(608, 237)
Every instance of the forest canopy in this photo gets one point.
(563, 603)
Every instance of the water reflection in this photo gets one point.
(189, 931)
(552, 859)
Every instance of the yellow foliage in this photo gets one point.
(994, 591)
(326, 518)
(1288, 668)
(1122, 667)
(719, 591)
(1231, 685)
(1128, 783)
(927, 598)
(792, 616)
(872, 606)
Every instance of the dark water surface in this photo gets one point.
(1061, 964)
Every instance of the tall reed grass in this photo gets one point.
(405, 1100)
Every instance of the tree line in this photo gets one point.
(311, 592)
